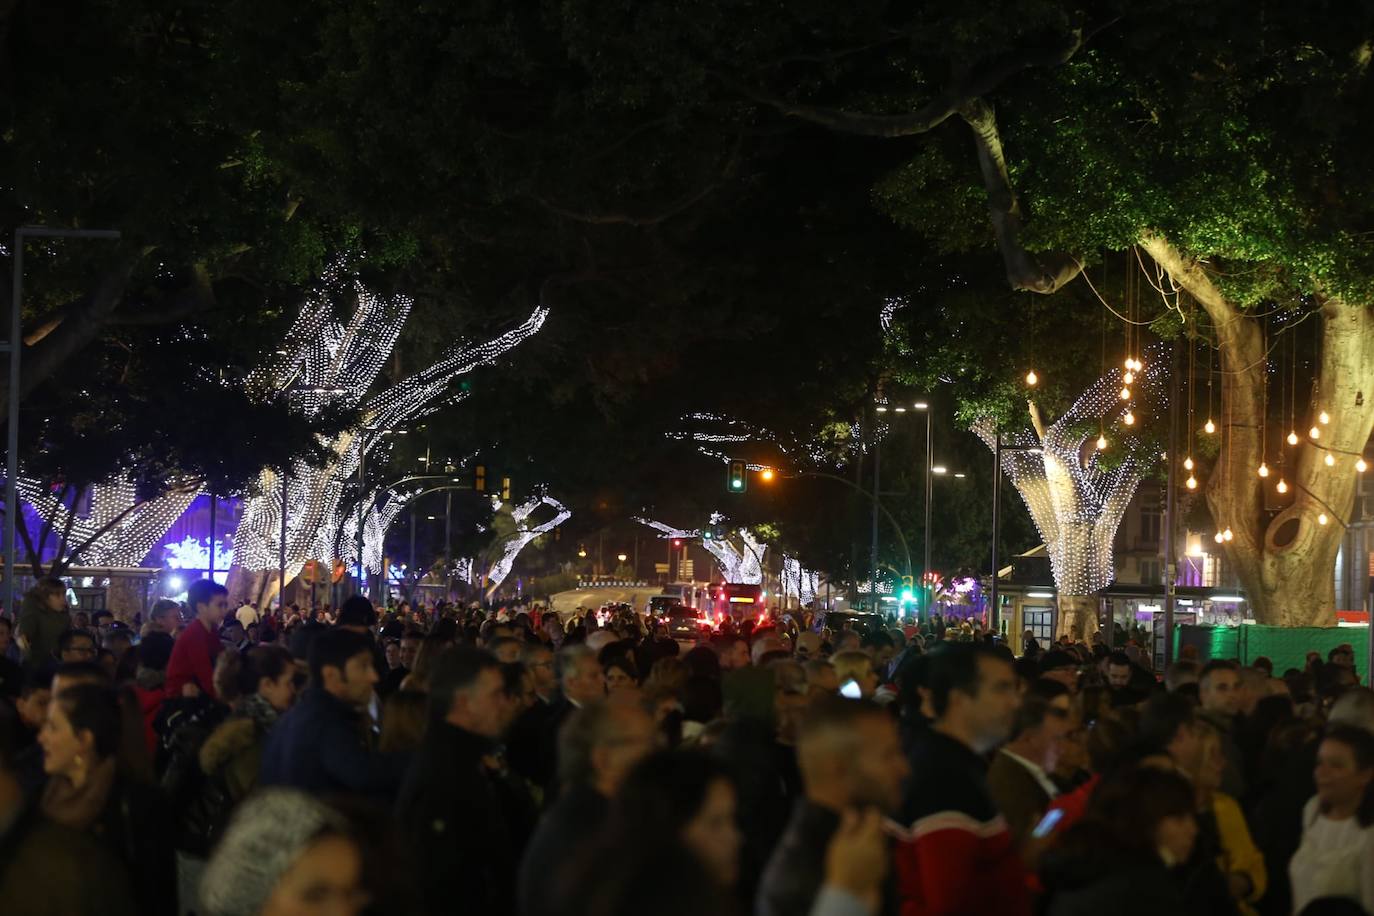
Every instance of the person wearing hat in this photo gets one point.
(284, 852)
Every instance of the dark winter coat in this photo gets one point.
(320, 745)
(576, 817)
(50, 870)
(449, 808)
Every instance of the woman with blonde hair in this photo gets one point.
(1239, 859)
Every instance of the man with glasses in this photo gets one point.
(1018, 778)
(76, 646)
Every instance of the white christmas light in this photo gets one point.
(1263, 470)
(324, 363)
(1315, 433)
(1191, 482)
(1360, 465)
(743, 564)
(798, 580)
(1101, 443)
(1128, 378)
(1128, 418)
(1324, 418)
(1032, 379)
(1282, 486)
(1227, 534)
(115, 529)
(1322, 519)
(1188, 463)
(1219, 537)
(1209, 427)
(1330, 460)
(1077, 502)
(1125, 393)
(1292, 437)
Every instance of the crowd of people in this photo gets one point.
(512, 761)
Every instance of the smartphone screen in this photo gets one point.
(1047, 823)
(851, 690)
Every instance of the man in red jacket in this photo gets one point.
(956, 855)
(193, 656)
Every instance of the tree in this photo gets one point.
(1224, 142)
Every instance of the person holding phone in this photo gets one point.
(851, 759)
(1018, 778)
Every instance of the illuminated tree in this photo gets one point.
(1077, 474)
(326, 364)
(742, 563)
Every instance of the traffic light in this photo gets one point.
(479, 478)
(738, 479)
(505, 489)
(707, 534)
(908, 589)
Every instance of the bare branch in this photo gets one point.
(1042, 273)
(945, 105)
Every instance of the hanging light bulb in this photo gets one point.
(1324, 418)
(1032, 379)
(1219, 537)
(1191, 482)
(1128, 419)
(1293, 437)
(1322, 519)
(1125, 393)
(1263, 470)
(1330, 460)
(1188, 463)
(1360, 465)
(1315, 433)
(1227, 535)
(1209, 427)
(1282, 487)
(1129, 363)
(1101, 442)
(1128, 377)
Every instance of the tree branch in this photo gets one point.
(976, 83)
(1037, 422)
(1044, 273)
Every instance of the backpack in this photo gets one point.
(182, 726)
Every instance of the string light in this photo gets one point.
(1324, 418)
(117, 529)
(1125, 393)
(798, 580)
(1227, 535)
(1209, 427)
(1314, 433)
(1282, 486)
(1077, 503)
(1101, 442)
(737, 564)
(1322, 519)
(1263, 470)
(1219, 537)
(1032, 379)
(524, 535)
(1360, 466)
(325, 363)
(1330, 460)
(1188, 463)
(1191, 482)
(1128, 378)
(1292, 437)
(1128, 418)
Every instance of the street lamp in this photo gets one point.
(925, 535)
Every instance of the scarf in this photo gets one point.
(255, 707)
(75, 806)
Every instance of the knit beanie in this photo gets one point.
(268, 833)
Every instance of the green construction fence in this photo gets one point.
(1286, 647)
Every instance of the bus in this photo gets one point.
(737, 601)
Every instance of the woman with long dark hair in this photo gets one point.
(675, 814)
(1139, 825)
(89, 790)
(1336, 858)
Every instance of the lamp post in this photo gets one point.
(925, 536)
(15, 348)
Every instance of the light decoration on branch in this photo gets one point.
(741, 564)
(798, 580)
(1032, 379)
(525, 533)
(327, 363)
(1281, 486)
(109, 526)
(1075, 498)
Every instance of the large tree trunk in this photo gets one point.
(1077, 616)
(1285, 564)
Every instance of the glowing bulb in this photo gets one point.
(1263, 470)
(1187, 464)
(1360, 465)
(1209, 426)
(1191, 482)
(1322, 519)
(1102, 443)
(1330, 460)
(1128, 419)
(1227, 535)
(1032, 378)
(1315, 433)
(1128, 377)
(1324, 418)
(1282, 487)
(1293, 437)
(1219, 537)
(1125, 393)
